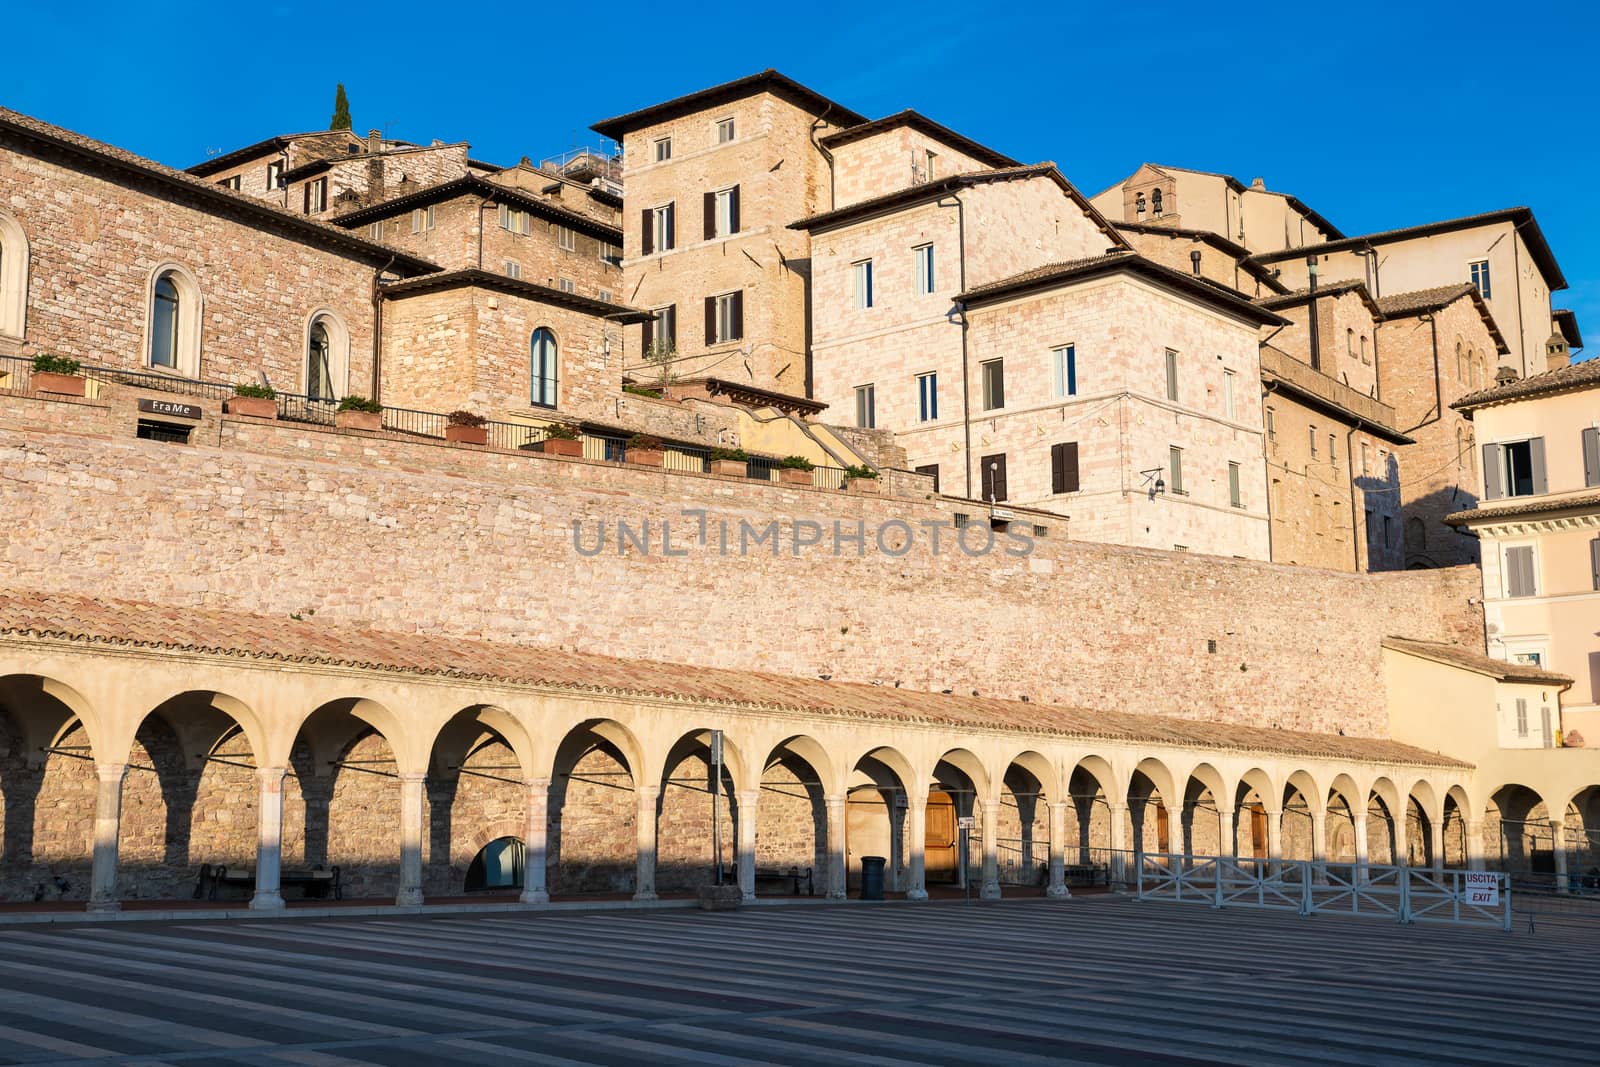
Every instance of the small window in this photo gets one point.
(1366, 459)
(661, 332)
(515, 220)
(1175, 470)
(165, 320)
(1522, 717)
(1364, 357)
(1228, 378)
(1235, 495)
(1333, 453)
(1272, 425)
(994, 383)
(170, 432)
(566, 285)
(862, 271)
(1064, 467)
(567, 238)
(1350, 343)
(1514, 469)
(1065, 361)
(316, 196)
(927, 397)
(662, 149)
(993, 476)
(1594, 561)
(604, 296)
(722, 213)
(725, 318)
(724, 130)
(1155, 202)
(231, 183)
(1172, 375)
(1521, 579)
(660, 229)
(932, 471)
(866, 406)
(930, 165)
(274, 175)
(421, 219)
(609, 253)
(924, 261)
(1480, 276)
(319, 363)
(542, 368)
(375, 231)
(513, 269)
(1311, 435)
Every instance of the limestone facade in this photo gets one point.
(1260, 219)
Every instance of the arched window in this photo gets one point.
(172, 332)
(542, 368)
(1461, 448)
(1416, 535)
(13, 277)
(327, 357)
(1138, 203)
(1461, 363)
(1364, 348)
(1350, 343)
(1155, 202)
(498, 865)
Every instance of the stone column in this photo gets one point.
(536, 838)
(918, 889)
(1474, 830)
(107, 828)
(1227, 833)
(1399, 828)
(897, 846)
(1558, 852)
(837, 881)
(1274, 840)
(1436, 842)
(411, 798)
(747, 845)
(1119, 841)
(1058, 844)
(991, 849)
(644, 887)
(1358, 820)
(269, 839)
(1319, 844)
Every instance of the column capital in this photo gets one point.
(1059, 805)
(647, 791)
(412, 776)
(748, 796)
(110, 772)
(835, 799)
(271, 775)
(534, 785)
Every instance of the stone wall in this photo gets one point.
(278, 518)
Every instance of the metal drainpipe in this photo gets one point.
(961, 309)
(1271, 387)
(822, 120)
(1316, 338)
(377, 330)
(1350, 465)
(1516, 277)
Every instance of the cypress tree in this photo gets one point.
(341, 110)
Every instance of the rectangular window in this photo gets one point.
(724, 130)
(661, 332)
(866, 406)
(724, 317)
(1591, 456)
(1480, 276)
(722, 213)
(659, 229)
(994, 477)
(1333, 453)
(1172, 375)
(513, 269)
(1065, 360)
(1235, 496)
(932, 471)
(1175, 470)
(604, 296)
(1228, 378)
(610, 253)
(1388, 531)
(1366, 458)
(421, 219)
(662, 149)
(1520, 577)
(514, 220)
(927, 397)
(863, 283)
(567, 238)
(231, 183)
(1522, 717)
(375, 231)
(316, 196)
(994, 383)
(1272, 425)
(924, 260)
(566, 285)
(1064, 467)
(930, 165)
(1546, 732)
(274, 175)
(1594, 561)
(1515, 468)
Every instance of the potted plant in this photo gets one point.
(795, 470)
(466, 428)
(860, 479)
(256, 401)
(58, 375)
(730, 462)
(562, 439)
(359, 413)
(645, 450)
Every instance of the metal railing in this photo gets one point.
(1404, 894)
(16, 372)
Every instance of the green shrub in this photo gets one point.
(563, 431)
(797, 463)
(860, 470)
(251, 391)
(465, 418)
(360, 403)
(639, 390)
(46, 363)
(730, 453)
(643, 442)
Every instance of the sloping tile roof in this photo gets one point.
(1421, 301)
(1241, 255)
(251, 151)
(473, 185)
(241, 636)
(918, 121)
(1457, 656)
(1582, 375)
(1519, 506)
(1301, 296)
(484, 279)
(766, 81)
(253, 209)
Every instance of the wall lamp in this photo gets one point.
(1160, 485)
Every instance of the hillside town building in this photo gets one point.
(891, 470)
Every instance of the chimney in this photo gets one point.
(376, 191)
(1556, 352)
(1194, 262)
(374, 140)
(1258, 184)
(1505, 376)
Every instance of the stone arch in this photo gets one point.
(1093, 786)
(331, 379)
(1304, 806)
(594, 808)
(1203, 820)
(187, 330)
(1457, 812)
(697, 815)
(478, 762)
(1027, 784)
(1155, 808)
(877, 809)
(1517, 830)
(797, 777)
(14, 264)
(1386, 824)
(1253, 818)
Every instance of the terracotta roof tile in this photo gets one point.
(237, 635)
(1457, 656)
(1421, 301)
(1581, 375)
(1517, 506)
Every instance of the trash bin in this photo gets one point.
(872, 877)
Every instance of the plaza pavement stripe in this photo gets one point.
(18, 1040)
(85, 984)
(767, 1042)
(495, 1052)
(362, 1000)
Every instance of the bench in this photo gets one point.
(794, 878)
(315, 884)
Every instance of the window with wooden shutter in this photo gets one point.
(711, 320)
(649, 336)
(1519, 571)
(709, 206)
(994, 477)
(736, 316)
(1064, 467)
(1494, 486)
(1536, 459)
(1591, 456)
(647, 230)
(1594, 560)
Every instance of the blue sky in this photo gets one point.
(1377, 115)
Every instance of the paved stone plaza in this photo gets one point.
(1091, 981)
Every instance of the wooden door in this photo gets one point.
(1163, 830)
(939, 842)
(1258, 833)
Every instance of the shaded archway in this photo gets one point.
(1257, 805)
(1303, 817)
(696, 814)
(1155, 809)
(876, 819)
(47, 790)
(792, 816)
(1027, 787)
(1207, 813)
(1582, 830)
(475, 796)
(594, 810)
(1347, 808)
(1519, 838)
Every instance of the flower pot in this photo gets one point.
(467, 435)
(730, 468)
(45, 381)
(647, 457)
(558, 446)
(861, 485)
(371, 421)
(719, 897)
(257, 407)
(794, 476)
